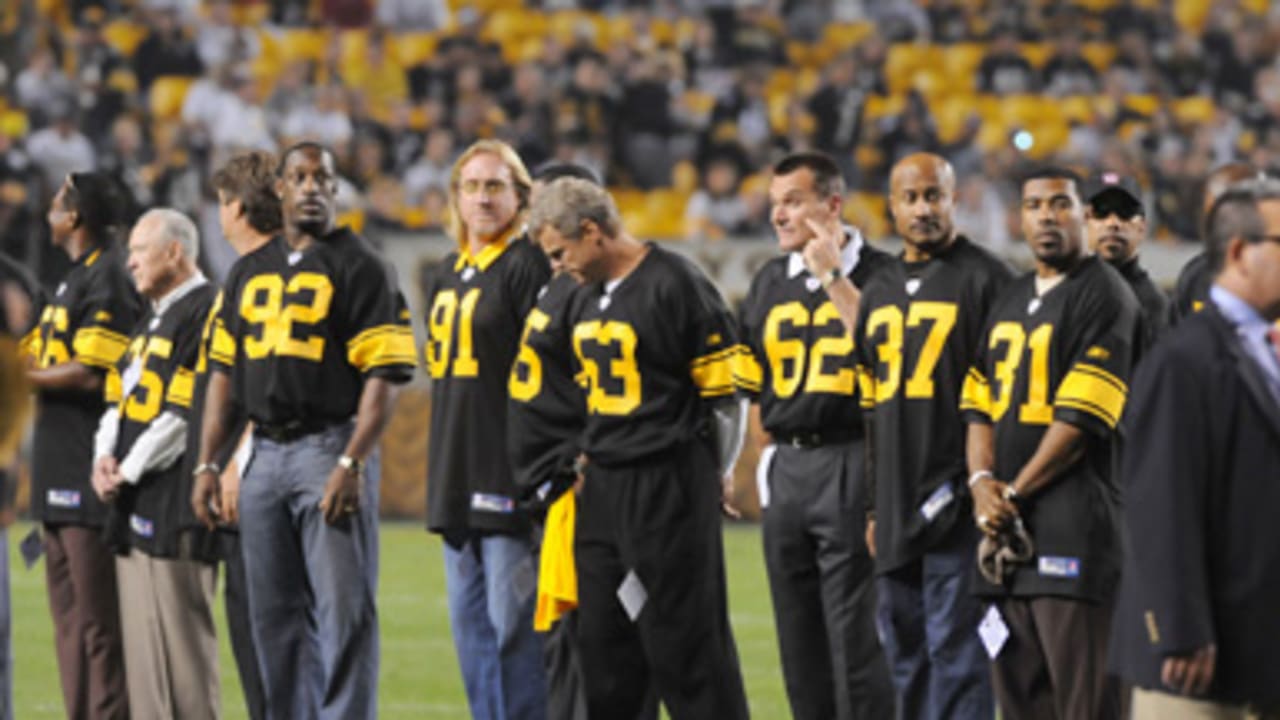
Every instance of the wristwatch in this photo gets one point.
(830, 277)
(206, 468)
(350, 464)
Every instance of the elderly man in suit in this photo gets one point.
(1197, 631)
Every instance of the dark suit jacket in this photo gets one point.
(1201, 489)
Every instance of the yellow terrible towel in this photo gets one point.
(557, 575)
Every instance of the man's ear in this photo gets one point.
(278, 186)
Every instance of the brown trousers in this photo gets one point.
(1054, 664)
(80, 573)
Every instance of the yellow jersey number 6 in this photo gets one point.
(264, 302)
(623, 369)
(526, 373)
(787, 356)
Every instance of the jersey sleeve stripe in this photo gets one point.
(99, 347)
(113, 388)
(866, 387)
(975, 395)
(382, 346)
(27, 346)
(181, 388)
(1091, 389)
(223, 348)
(747, 372)
(713, 373)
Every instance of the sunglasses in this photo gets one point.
(1124, 211)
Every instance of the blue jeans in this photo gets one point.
(312, 585)
(491, 582)
(6, 647)
(928, 622)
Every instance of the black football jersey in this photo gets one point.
(157, 376)
(650, 353)
(86, 320)
(547, 408)
(1192, 288)
(798, 361)
(1064, 356)
(299, 331)
(476, 313)
(918, 332)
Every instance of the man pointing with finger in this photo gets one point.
(797, 323)
(312, 336)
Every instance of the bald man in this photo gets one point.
(920, 321)
(1192, 288)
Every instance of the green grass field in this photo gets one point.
(419, 671)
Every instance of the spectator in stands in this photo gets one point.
(220, 41)
(648, 123)
(1067, 72)
(324, 120)
(346, 14)
(432, 170)
(19, 189)
(205, 99)
(128, 158)
(1186, 71)
(293, 86)
(61, 149)
(412, 14)
(95, 58)
(950, 21)
(41, 88)
(716, 210)
(837, 109)
(981, 214)
(379, 76)
(705, 61)
(1249, 53)
(241, 122)
(1004, 70)
(528, 109)
(166, 50)
(590, 106)
(756, 35)
(747, 109)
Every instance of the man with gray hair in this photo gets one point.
(165, 560)
(656, 345)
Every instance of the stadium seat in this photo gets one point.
(1194, 110)
(1036, 53)
(952, 114)
(960, 62)
(353, 46)
(881, 106)
(1100, 55)
(867, 212)
(904, 60)
(124, 36)
(301, 44)
(841, 37)
(14, 123)
(412, 48)
(166, 96)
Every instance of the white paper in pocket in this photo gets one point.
(993, 631)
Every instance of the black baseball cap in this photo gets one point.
(1113, 190)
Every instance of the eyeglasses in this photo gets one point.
(475, 187)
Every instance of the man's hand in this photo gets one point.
(990, 508)
(341, 494)
(229, 490)
(871, 537)
(106, 477)
(727, 493)
(1190, 674)
(822, 252)
(204, 499)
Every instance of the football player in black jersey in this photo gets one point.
(312, 337)
(249, 213)
(655, 348)
(1042, 401)
(81, 335)
(478, 299)
(799, 366)
(1192, 288)
(1117, 225)
(545, 415)
(921, 321)
(167, 572)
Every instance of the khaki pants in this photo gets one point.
(171, 653)
(1155, 705)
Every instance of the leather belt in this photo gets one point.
(808, 440)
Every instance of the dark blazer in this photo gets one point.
(1201, 485)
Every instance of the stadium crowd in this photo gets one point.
(682, 106)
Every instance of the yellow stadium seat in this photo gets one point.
(124, 36)
(781, 80)
(1024, 110)
(506, 26)
(353, 219)
(1037, 53)
(1096, 5)
(952, 115)
(841, 37)
(662, 203)
(880, 106)
(684, 177)
(412, 48)
(867, 212)
(960, 62)
(801, 54)
(1099, 55)
(1049, 136)
(686, 28)
(1191, 14)
(904, 59)
(301, 44)
(1077, 108)
(14, 123)
(166, 96)
(250, 14)
(1144, 104)
(353, 46)
(565, 26)
(1194, 110)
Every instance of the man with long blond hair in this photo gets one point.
(478, 298)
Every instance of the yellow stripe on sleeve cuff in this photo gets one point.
(98, 347)
(223, 348)
(975, 394)
(381, 346)
(1090, 389)
(747, 372)
(181, 388)
(713, 373)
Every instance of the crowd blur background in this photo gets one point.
(680, 105)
